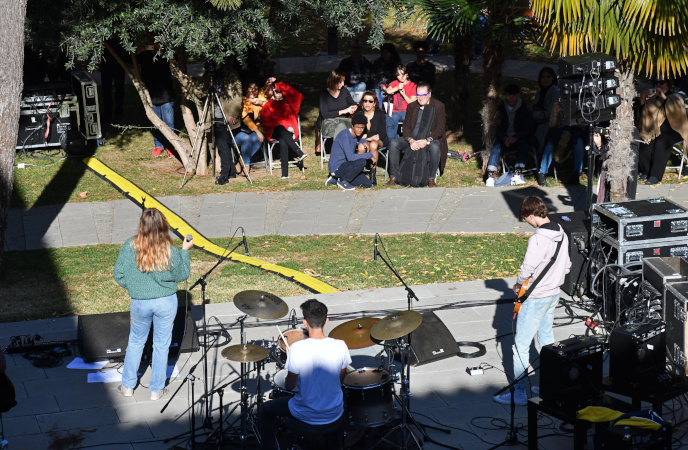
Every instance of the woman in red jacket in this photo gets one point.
(280, 122)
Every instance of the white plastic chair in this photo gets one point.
(268, 151)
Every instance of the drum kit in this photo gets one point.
(369, 392)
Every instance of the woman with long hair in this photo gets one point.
(543, 105)
(249, 138)
(336, 107)
(376, 132)
(403, 91)
(149, 268)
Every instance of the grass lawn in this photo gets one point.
(78, 280)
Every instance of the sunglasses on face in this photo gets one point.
(422, 95)
(368, 101)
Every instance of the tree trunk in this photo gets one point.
(11, 69)
(493, 62)
(462, 63)
(621, 158)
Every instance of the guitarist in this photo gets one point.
(547, 249)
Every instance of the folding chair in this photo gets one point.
(268, 151)
(679, 150)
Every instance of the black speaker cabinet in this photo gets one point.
(431, 341)
(571, 372)
(675, 309)
(577, 228)
(637, 356)
(105, 336)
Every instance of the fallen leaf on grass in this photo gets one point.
(311, 272)
(83, 194)
(304, 177)
(335, 249)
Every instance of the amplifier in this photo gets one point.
(637, 355)
(636, 251)
(661, 271)
(58, 114)
(675, 299)
(573, 87)
(641, 220)
(621, 293)
(577, 66)
(576, 225)
(633, 438)
(571, 372)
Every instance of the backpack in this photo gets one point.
(413, 170)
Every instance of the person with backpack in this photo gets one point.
(423, 147)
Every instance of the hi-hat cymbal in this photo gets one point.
(396, 325)
(262, 305)
(356, 332)
(245, 353)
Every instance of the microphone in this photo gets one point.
(293, 318)
(375, 250)
(245, 244)
(189, 237)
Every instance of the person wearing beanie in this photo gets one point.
(349, 156)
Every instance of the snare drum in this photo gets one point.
(296, 334)
(368, 397)
(278, 383)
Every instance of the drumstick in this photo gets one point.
(283, 338)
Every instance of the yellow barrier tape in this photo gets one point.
(181, 229)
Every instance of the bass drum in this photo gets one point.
(368, 397)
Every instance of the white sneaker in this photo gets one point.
(520, 398)
(490, 182)
(517, 178)
(331, 181)
(158, 395)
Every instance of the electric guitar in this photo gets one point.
(520, 298)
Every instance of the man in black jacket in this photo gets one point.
(357, 69)
(514, 131)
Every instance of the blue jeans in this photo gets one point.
(166, 113)
(249, 145)
(161, 312)
(548, 152)
(352, 171)
(380, 99)
(357, 91)
(535, 317)
(393, 124)
(520, 146)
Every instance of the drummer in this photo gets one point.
(316, 366)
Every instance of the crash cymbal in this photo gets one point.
(356, 332)
(262, 305)
(245, 353)
(396, 325)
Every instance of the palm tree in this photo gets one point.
(647, 36)
(499, 22)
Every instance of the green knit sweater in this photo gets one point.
(150, 285)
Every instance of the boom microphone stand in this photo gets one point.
(406, 380)
(512, 435)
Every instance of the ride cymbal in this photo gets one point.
(396, 325)
(245, 353)
(262, 305)
(355, 333)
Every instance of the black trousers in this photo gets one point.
(286, 142)
(399, 147)
(224, 147)
(352, 171)
(653, 157)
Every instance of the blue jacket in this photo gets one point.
(344, 149)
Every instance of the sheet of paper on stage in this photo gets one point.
(78, 363)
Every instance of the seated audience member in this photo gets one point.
(421, 70)
(336, 106)
(316, 367)
(357, 70)
(561, 137)
(350, 152)
(384, 69)
(543, 103)
(403, 92)
(664, 122)
(280, 121)
(250, 138)
(156, 75)
(514, 130)
(375, 132)
(227, 85)
(423, 131)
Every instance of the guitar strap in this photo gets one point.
(542, 274)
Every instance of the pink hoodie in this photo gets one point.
(541, 247)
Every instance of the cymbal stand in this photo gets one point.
(406, 377)
(208, 420)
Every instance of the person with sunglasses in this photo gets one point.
(664, 122)
(375, 132)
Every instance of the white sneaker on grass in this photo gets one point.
(517, 179)
(490, 182)
(331, 181)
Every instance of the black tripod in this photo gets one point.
(512, 435)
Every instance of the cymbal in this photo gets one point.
(396, 325)
(262, 305)
(355, 333)
(245, 353)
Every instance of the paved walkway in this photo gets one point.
(439, 210)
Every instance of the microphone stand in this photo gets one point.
(406, 408)
(208, 420)
(512, 435)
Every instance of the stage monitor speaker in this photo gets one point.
(431, 341)
(577, 228)
(637, 356)
(571, 372)
(105, 336)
